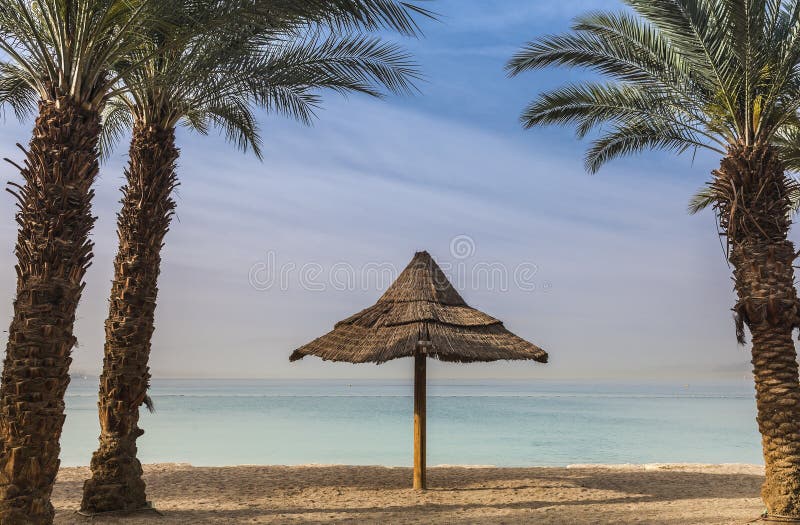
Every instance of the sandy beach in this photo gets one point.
(652, 494)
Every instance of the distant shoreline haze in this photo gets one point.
(402, 370)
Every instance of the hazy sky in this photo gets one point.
(617, 279)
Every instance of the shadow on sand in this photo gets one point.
(377, 494)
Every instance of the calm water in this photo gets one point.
(516, 423)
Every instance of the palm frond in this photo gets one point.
(233, 116)
(280, 62)
(616, 45)
(69, 47)
(701, 200)
(16, 90)
(788, 144)
(589, 105)
(352, 63)
(685, 74)
(117, 121)
(637, 136)
(343, 15)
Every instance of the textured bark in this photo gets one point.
(53, 253)
(147, 207)
(754, 214)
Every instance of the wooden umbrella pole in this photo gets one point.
(420, 362)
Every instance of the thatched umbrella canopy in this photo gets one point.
(420, 315)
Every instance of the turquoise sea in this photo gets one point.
(504, 423)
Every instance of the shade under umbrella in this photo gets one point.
(420, 315)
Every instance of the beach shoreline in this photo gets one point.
(654, 493)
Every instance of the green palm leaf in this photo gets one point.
(684, 74)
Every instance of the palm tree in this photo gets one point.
(211, 80)
(57, 56)
(720, 75)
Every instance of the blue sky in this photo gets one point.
(626, 283)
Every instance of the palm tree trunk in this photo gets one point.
(754, 214)
(147, 207)
(53, 252)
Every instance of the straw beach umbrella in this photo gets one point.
(421, 315)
